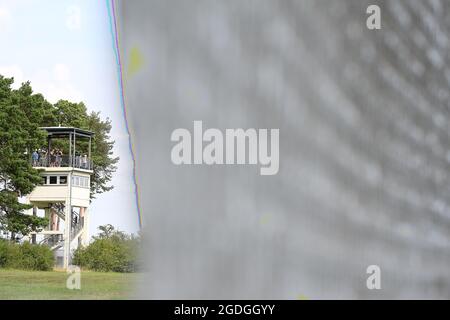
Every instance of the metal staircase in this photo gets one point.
(56, 241)
(59, 208)
(77, 225)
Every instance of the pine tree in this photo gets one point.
(18, 136)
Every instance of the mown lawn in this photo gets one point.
(18, 284)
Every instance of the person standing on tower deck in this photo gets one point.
(43, 158)
(59, 155)
(52, 158)
(84, 162)
(35, 158)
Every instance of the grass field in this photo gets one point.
(17, 284)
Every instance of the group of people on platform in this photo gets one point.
(41, 158)
(81, 161)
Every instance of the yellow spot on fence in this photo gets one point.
(264, 219)
(135, 62)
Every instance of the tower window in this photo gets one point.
(80, 181)
(44, 180)
(53, 180)
(62, 179)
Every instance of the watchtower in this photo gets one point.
(65, 191)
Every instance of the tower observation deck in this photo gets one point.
(64, 195)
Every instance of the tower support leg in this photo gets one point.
(67, 231)
(84, 214)
(33, 236)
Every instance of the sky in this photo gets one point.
(65, 49)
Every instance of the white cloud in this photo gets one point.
(73, 21)
(5, 19)
(54, 84)
(54, 92)
(13, 71)
(61, 72)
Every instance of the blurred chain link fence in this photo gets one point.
(364, 147)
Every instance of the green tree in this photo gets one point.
(106, 231)
(18, 136)
(25, 256)
(102, 153)
(69, 114)
(111, 250)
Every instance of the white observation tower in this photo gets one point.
(65, 191)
